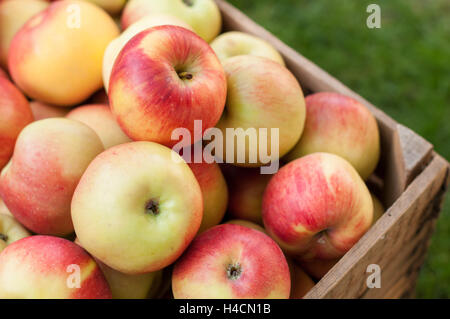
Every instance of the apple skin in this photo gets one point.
(204, 16)
(317, 268)
(340, 125)
(246, 189)
(115, 46)
(100, 118)
(3, 209)
(317, 207)
(13, 15)
(235, 43)
(49, 158)
(43, 111)
(134, 199)
(125, 286)
(3, 74)
(203, 272)
(36, 267)
(246, 223)
(214, 191)
(65, 69)
(147, 93)
(15, 115)
(10, 231)
(378, 208)
(262, 94)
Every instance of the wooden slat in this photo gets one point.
(386, 240)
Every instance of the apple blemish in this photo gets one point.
(234, 271)
(152, 207)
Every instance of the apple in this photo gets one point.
(246, 223)
(10, 231)
(15, 115)
(13, 15)
(214, 190)
(301, 283)
(101, 120)
(64, 69)
(165, 78)
(46, 267)
(262, 94)
(49, 158)
(232, 261)
(43, 111)
(124, 286)
(246, 188)
(317, 207)
(3, 209)
(202, 15)
(234, 43)
(378, 208)
(115, 46)
(341, 125)
(111, 6)
(137, 207)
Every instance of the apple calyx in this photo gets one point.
(185, 75)
(3, 237)
(234, 271)
(189, 3)
(152, 207)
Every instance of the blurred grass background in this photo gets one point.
(403, 68)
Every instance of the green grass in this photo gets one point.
(403, 68)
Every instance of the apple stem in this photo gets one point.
(189, 3)
(152, 207)
(234, 271)
(3, 237)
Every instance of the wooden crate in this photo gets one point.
(411, 180)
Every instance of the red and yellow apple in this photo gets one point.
(340, 125)
(202, 15)
(262, 94)
(246, 189)
(15, 115)
(56, 57)
(115, 46)
(43, 111)
(46, 267)
(13, 15)
(49, 158)
(10, 231)
(165, 78)
(234, 43)
(99, 118)
(232, 261)
(137, 207)
(111, 6)
(317, 207)
(214, 191)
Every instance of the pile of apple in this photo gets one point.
(96, 204)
